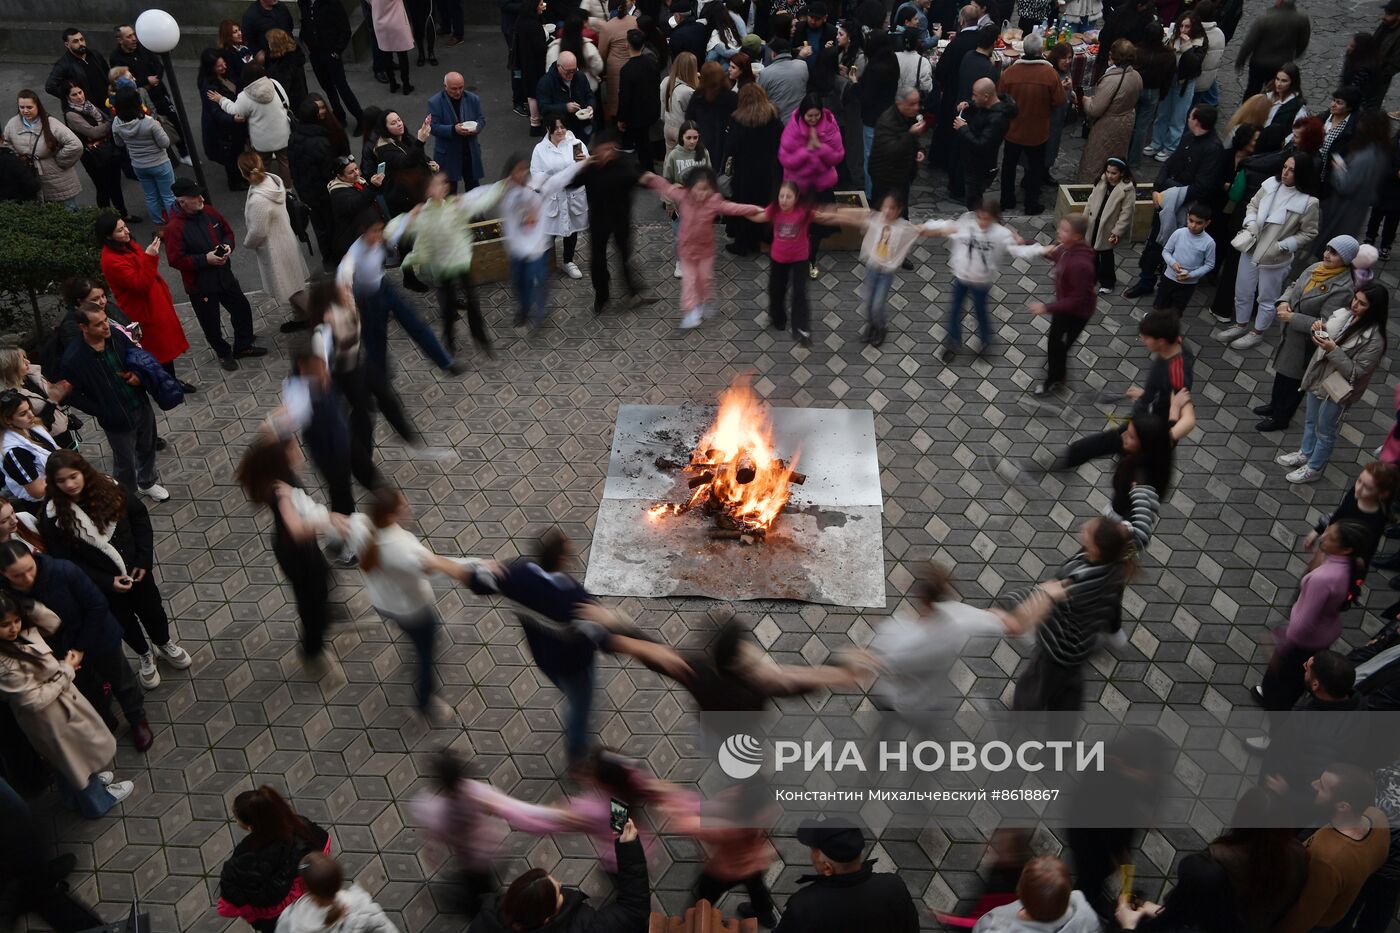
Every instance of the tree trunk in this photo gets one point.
(38, 318)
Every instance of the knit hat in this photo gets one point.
(753, 44)
(1366, 256)
(1345, 246)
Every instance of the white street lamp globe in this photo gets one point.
(157, 31)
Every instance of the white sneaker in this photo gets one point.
(148, 675)
(1251, 339)
(120, 790)
(1229, 334)
(678, 270)
(186, 160)
(1304, 474)
(1150, 149)
(1295, 459)
(1104, 290)
(691, 319)
(155, 492)
(1257, 743)
(174, 655)
(1162, 155)
(572, 270)
(106, 777)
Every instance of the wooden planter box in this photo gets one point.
(490, 261)
(1072, 199)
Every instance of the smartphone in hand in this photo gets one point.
(617, 815)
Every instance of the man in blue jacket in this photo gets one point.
(86, 624)
(457, 124)
(105, 387)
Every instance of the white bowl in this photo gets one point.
(585, 114)
(471, 126)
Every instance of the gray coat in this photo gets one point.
(1355, 361)
(1296, 348)
(145, 140)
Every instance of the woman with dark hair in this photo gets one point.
(1285, 97)
(536, 901)
(259, 880)
(234, 52)
(26, 446)
(1266, 863)
(1201, 902)
(1241, 145)
(147, 145)
(809, 152)
(1281, 222)
(93, 125)
(317, 140)
(368, 135)
(142, 292)
(1350, 345)
(876, 88)
(50, 150)
(1361, 69)
(527, 55)
(564, 212)
(655, 44)
(725, 38)
(1321, 289)
(90, 520)
(407, 167)
(223, 135)
(57, 720)
(850, 49)
(711, 106)
(839, 96)
(1188, 36)
(269, 475)
(740, 71)
(1355, 179)
(1149, 443)
(751, 144)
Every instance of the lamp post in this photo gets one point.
(158, 31)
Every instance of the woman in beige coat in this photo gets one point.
(50, 147)
(270, 236)
(59, 722)
(1110, 216)
(1113, 110)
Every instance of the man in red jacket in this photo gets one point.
(1075, 298)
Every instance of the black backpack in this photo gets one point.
(300, 217)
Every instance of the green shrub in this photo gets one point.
(40, 246)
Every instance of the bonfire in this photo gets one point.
(735, 474)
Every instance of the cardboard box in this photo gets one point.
(1072, 199)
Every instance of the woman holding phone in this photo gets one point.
(566, 211)
(90, 520)
(133, 272)
(399, 156)
(1350, 345)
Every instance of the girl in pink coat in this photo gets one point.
(809, 152)
(698, 202)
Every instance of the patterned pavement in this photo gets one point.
(532, 432)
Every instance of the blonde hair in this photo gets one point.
(683, 70)
(1254, 110)
(250, 166)
(279, 43)
(115, 73)
(11, 362)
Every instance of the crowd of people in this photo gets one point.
(753, 123)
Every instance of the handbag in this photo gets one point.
(1337, 387)
(1244, 240)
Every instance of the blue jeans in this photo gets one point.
(1320, 430)
(979, 308)
(155, 184)
(578, 690)
(869, 133)
(875, 294)
(1210, 95)
(1146, 107)
(1172, 111)
(421, 629)
(386, 303)
(91, 801)
(530, 278)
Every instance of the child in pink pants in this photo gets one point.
(699, 203)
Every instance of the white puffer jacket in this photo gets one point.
(1215, 53)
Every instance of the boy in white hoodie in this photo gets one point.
(978, 245)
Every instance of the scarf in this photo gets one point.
(89, 111)
(89, 533)
(1333, 131)
(1321, 275)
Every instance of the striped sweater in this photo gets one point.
(1095, 591)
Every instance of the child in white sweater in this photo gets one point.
(978, 246)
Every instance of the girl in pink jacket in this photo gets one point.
(699, 202)
(809, 152)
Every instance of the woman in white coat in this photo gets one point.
(270, 237)
(1280, 222)
(394, 35)
(565, 211)
(58, 720)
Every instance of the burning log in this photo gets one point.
(745, 475)
(701, 480)
(742, 535)
(795, 477)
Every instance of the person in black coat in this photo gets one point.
(751, 154)
(845, 893)
(976, 65)
(945, 75)
(285, 63)
(85, 624)
(894, 150)
(638, 104)
(325, 31)
(90, 521)
(256, 880)
(311, 152)
(689, 34)
(78, 65)
(609, 179)
(17, 182)
(1132, 21)
(1385, 213)
(711, 106)
(149, 73)
(350, 197)
(527, 56)
(563, 90)
(261, 17)
(407, 167)
(980, 129)
(536, 902)
(224, 137)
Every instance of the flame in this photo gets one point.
(738, 446)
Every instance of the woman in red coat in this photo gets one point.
(138, 289)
